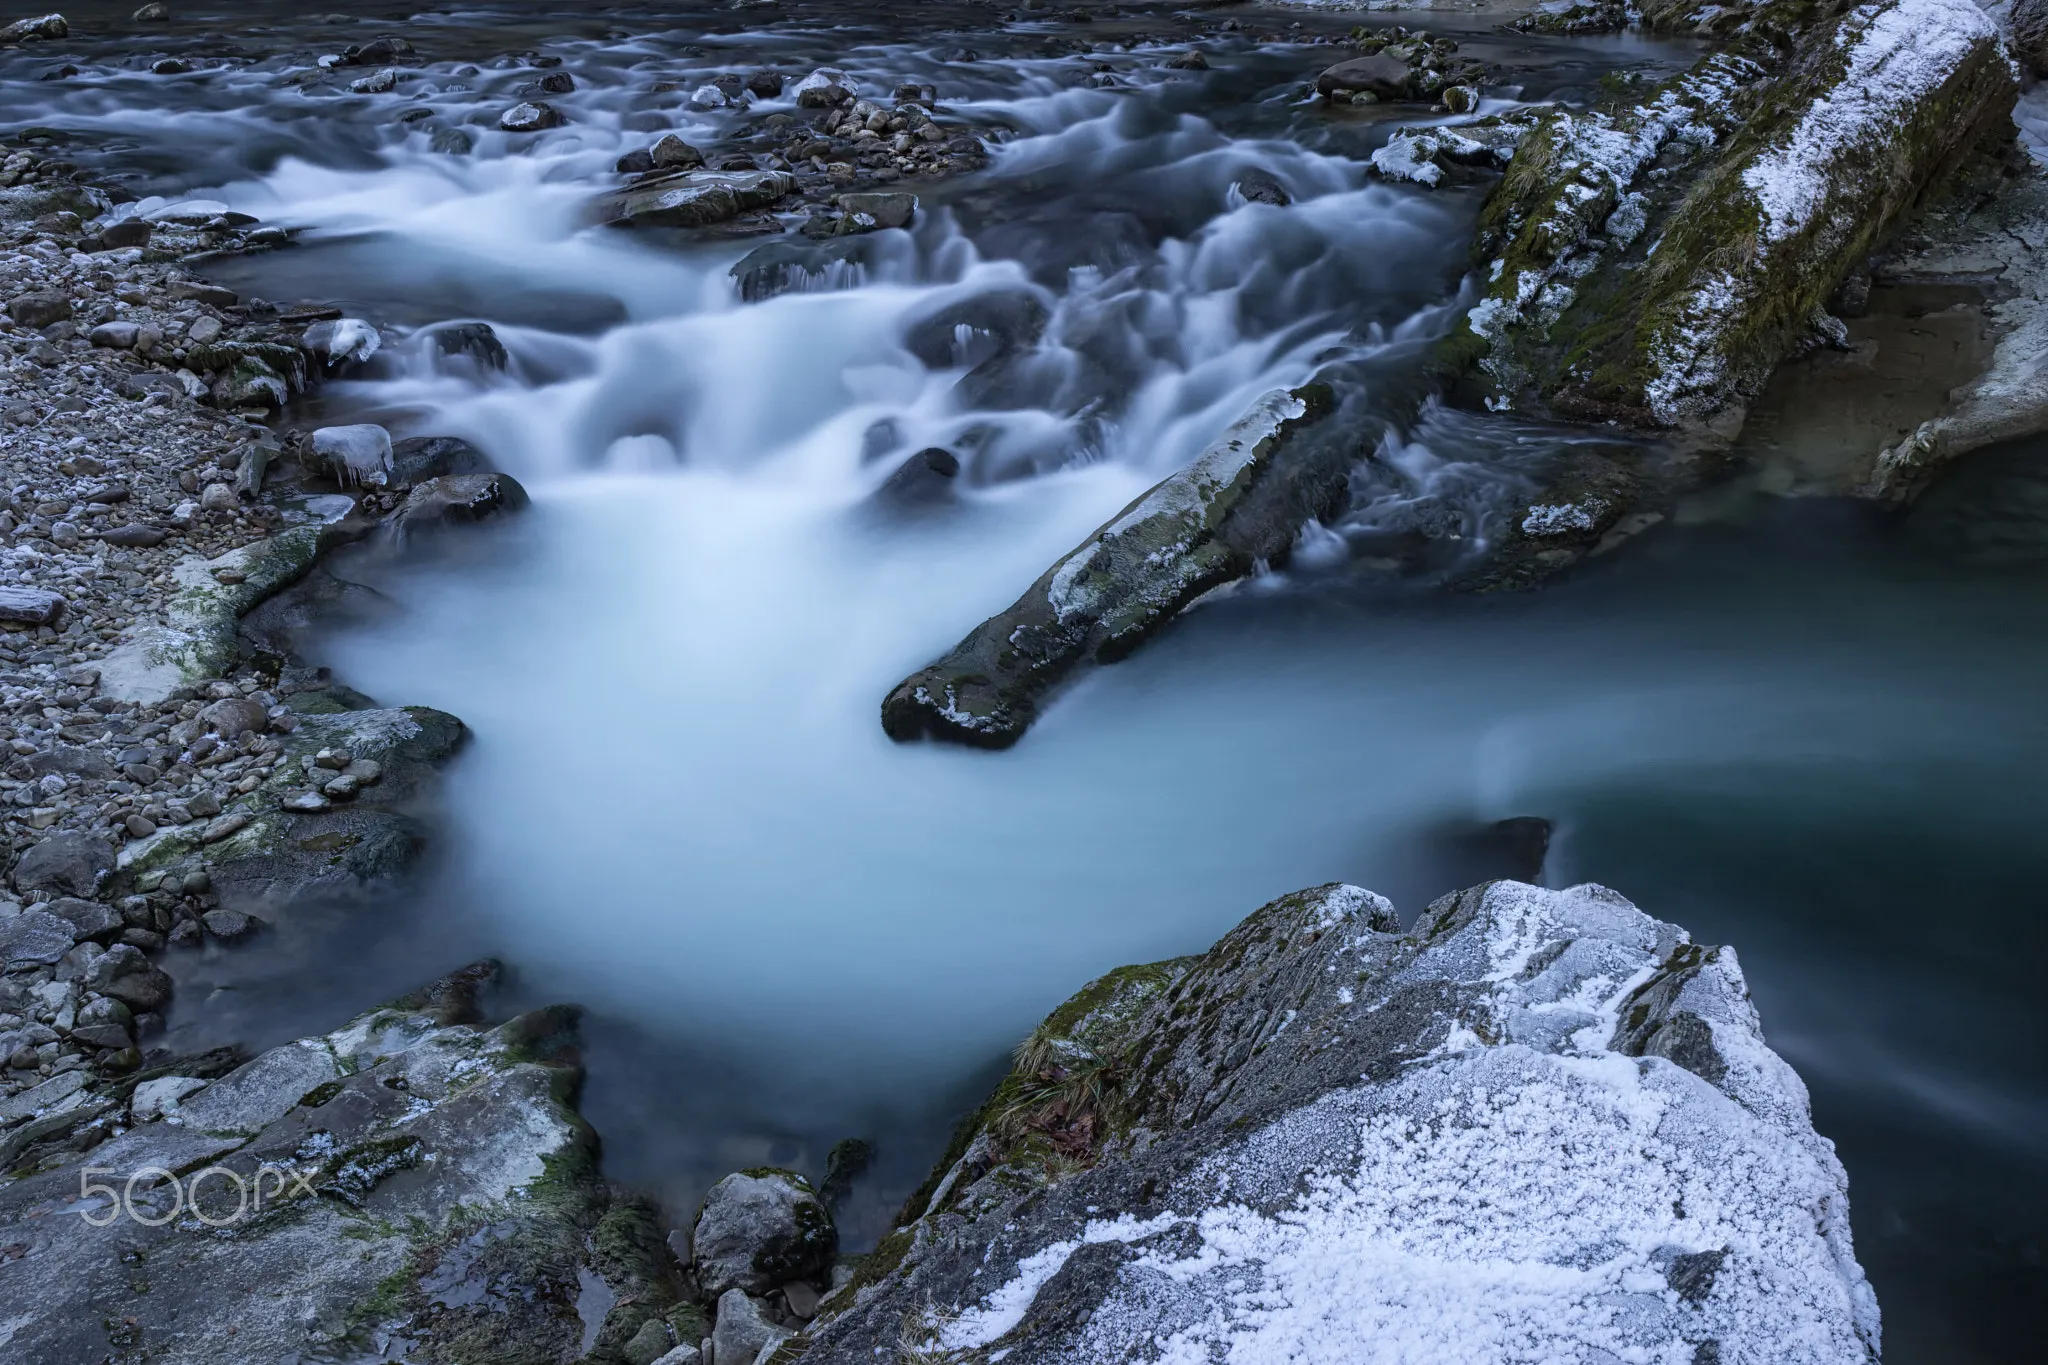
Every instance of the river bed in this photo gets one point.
(1802, 728)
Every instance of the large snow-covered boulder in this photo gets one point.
(1539, 1125)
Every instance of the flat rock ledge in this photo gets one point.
(1538, 1124)
(412, 1186)
(1241, 501)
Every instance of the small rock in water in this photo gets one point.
(356, 455)
(228, 924)
(824, 88)
(1261, 187)
(758, 1230)
(170, 66)
(44, 27)
(531, 117)
(1191, 60)
(342, 341)
(1387, 78)
(378, 83)
(454, 499)
(377, 51)
(672, 153)
(153, 13)
(554, 83)
(708, 97)
(765, 85)
(636, 162)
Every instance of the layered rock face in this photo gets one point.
(1538, 1125)
(1651, 264)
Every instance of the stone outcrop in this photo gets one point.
(1536, 1115)
(414, 1183)
(1651, 265)
(1241, 501)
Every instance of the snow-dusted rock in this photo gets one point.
(1652, 264)
(1539, 1125)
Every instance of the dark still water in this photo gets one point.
(1808, 730)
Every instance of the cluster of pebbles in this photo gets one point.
(130, 448)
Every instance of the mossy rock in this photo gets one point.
(1652, 266)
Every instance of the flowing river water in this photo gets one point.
(1798, 727)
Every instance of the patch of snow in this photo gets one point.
(1004, 1308)
(1522, 1198)
(1897, 55)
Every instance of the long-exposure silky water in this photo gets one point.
(679, 806)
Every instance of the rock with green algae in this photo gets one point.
(279, 857)
(426, 1190)
(1651, 265)
(197, 638)
(1546, 1115)
(1239, 503)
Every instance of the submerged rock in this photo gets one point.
(1652, 265)
(694, 198)
(1545, 1114)
(477, 340)
(413, 1176)
(1241, 501)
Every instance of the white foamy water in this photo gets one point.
(679, 806)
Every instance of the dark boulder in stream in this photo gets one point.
(1539, 1116)
(694, 198)
(1242, 500)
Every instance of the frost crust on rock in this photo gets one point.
(1538, 1125)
